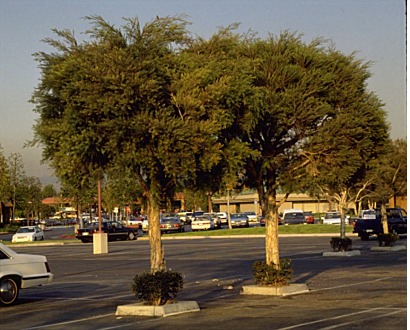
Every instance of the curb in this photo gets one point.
(159, 311)
(285, 290)
(342, 254)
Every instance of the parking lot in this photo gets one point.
(365, 291)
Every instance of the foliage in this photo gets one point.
(341, 244)
(349, 139)
(388, 173)
(4, 177)
(157, 288)
(182, 112)
(271, 275)
(387, 239)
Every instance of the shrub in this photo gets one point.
(157, 288)
(270, 275)
(387, 239)
(341, 244)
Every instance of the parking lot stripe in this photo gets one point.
(343, 316)
(70, 322)
(400, 310)
(353, 284)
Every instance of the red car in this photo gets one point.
(309, 217)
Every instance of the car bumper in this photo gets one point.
(239, 224)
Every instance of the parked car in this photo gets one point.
(115, 232)
(333, 218)
(239, 220)
(262, 221)
(28, 234)
(223, 216)
(202, 222)
(216, 219)
(144, 225)
(293, 217)
(185, 217)
(171, 223)
(20, 271)
(309, 217)
(252, 217)
(135, 221)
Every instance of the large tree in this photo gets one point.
(293, 79)
(107, 101)
(149, 99)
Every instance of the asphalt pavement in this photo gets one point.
(368, 291)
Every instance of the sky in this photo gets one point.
(375, 29)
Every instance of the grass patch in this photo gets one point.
(292, 229)
(44, 242)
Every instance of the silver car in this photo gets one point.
(239, 220)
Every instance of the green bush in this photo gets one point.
(341, 244)
(157, 288)
(387, 239)
(270, 275)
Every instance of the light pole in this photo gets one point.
(228, 211)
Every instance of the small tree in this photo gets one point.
(389, 174)
(346, 143)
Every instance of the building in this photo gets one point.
(249, 201)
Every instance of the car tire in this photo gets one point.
(131, 236)
(9, 291)
(364, 236)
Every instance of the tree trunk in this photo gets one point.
(384, 219)
(343, 205)
(272, 236)
(157, 256)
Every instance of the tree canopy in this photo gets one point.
(180, 111)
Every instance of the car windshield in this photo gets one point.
(201, 218)
(238, 215)
(25, 230)
(169, 219)
(293, 215)
(396, 213)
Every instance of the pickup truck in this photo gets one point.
(366, 226)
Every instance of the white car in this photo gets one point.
(28, 234)
(144, 225)
(20, 271)
(202, 222)
(333, 218)
(252, 216)
(223, 216)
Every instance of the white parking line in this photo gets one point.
(400, 310)
(343, 316)
(70, 322)
(353, 284)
